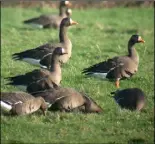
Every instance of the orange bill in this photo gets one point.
(141, 40)
(74, 22)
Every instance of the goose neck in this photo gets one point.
(63, 34)
(55, 65)
(132, 51)
(62, 11)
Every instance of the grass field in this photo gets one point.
(101, 34)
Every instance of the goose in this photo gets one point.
(68, 100)
(20, 103)
(37, 55)
(51, 21)
(40, 79)
(120, 67)
(130, 98)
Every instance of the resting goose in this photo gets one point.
(51, 21)
(20, 103)
(118, 67)
(68, 99)
(130, 98)
(41, 79)
(36, 56)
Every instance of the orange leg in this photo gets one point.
(117, 83)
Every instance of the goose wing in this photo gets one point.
(49, 95)
(102, 67)
(28, 78)
(41, 85)
(15, 97)
(36, 53)
(42, 20)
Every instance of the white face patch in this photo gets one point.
(69, 11)
(63, 50)
(71, 21)
(139, 38)
(66, 2)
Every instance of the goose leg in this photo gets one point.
(44, 112)
(117, 83)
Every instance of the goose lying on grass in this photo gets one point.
(20, 103)
(51, 20)
(68, 99)
(130, 98)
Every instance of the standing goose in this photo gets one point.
(41, 79)
(68, 99)
(51, 21)
(131, 98)
(37, 55)
(118, 67)
(20, 103)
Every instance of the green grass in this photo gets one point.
(101, 34)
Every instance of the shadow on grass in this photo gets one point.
(30, 29)
(13, 142)
(129, 31)
(137, 141)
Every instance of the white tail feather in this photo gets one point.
(35, 62)
(36, 25)
(99, 75)
(5, 107)
(32, 61)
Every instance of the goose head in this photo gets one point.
(68, 12)
(67, 22)
(92, 106)
(59, 51)
(44, 105)
(65, 3)
(136, 39)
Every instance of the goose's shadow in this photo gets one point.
(129, 31)
(13, 142)
(137, 141)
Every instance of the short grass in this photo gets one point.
(101, 34)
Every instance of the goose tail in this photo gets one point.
(5, 106)
(29, 21)
(19, 56)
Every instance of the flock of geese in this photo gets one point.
(42, 88)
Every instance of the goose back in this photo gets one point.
(68, 99)
(131, 98)
(22, 103)
(13, 97)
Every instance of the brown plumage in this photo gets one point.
(118, 67)
(41, 79)
(41, 55)
(51, 21)
(20, 103)
(130, 98)
(68, 99)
